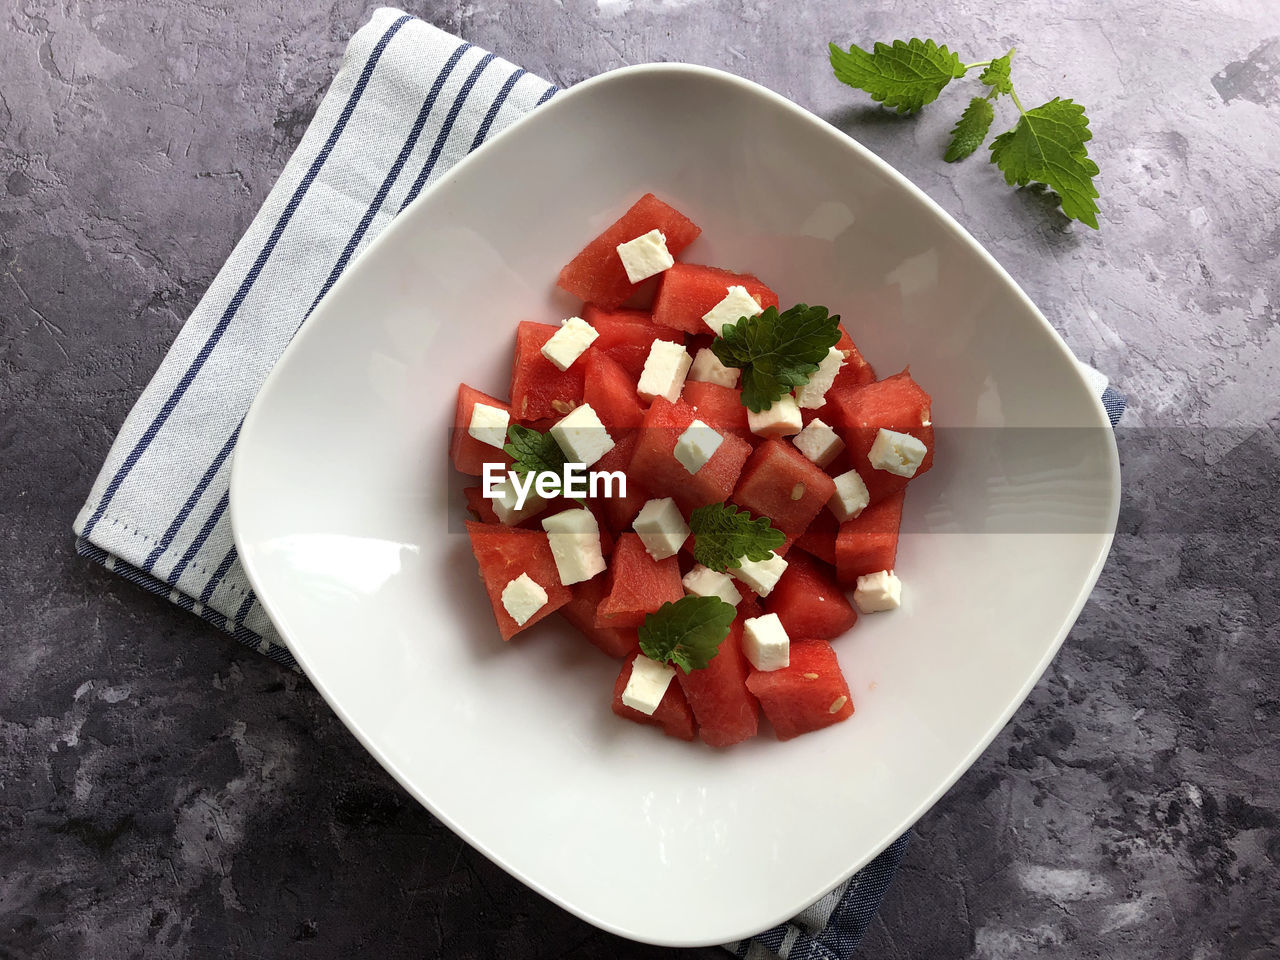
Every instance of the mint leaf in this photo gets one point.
(970, 130)
(1048, 146)
(533, 452)
(723, 534)
(688, 632)
(776, 352)
(996, 75)
(906, 75)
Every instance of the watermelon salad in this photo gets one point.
(703, 485)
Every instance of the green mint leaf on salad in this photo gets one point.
(533, 452)
(776, 352)
(723, 534)
(688, 632)
(1046, 145)
(904, 75)
(970, 130)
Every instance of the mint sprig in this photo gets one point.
(723, 534)
(776, 352)
(687, 632)
(533, 452)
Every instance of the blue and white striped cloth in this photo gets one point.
(408, 103)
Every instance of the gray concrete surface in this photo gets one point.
(166, 793)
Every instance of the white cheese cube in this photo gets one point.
(569, 342)
(737, 303)
(851, 496)
(760, 575)
(697, 445)
(878, 591)
(523, 597)
(504, 504)
(780, 420)
(582, 436)
(819, 442)
(813, 394)
(489, 424)
(707, 368)
(664, 371)
(765, 642)
(704, 582)
(647, 684)
(661, 527)
(645, 256)
(898, 453)
(574, 536)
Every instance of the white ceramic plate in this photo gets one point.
(349, 523)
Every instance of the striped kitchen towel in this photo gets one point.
(408, 103)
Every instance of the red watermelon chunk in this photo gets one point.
(673, 714)
(597, 275)
(688, 291)
(640, 584)
(539, 389)
(581, 612)
(896, 403)
(654, 463)
(480, 506)
(618, 512)
(869, 542)
(719, 407)
(809, 601)
(725, 709)
(504, 553)
(781, 483)
(625, 336)
(819, 538)
(611, 392)
(799, 698)
(468, 454)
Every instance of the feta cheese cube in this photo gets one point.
(582, 436)
(760, 575)
(765, 642)
(697, 445)
(707, 368)
(851, 496)
(780, 420)
(661, 527)
(504, 504)
(814, 393)
(664, 371)
(645, 256)
(489, 424)
(523, 597)
(898, 453)
(704, 582)
(737, 303)
(878, 591)
(569, 342)
(819, 442)
(647, 684)
(574, 536)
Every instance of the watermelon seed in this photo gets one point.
(810, 676)
(837, 703)
(797, 491)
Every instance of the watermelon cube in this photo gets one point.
(896, 403)
(611, 392)
(480, 506)
(688, 291)
(718, 406)
(539, 389)
(640, 584)
(597, 275)
(626, 336)
(655, 466)
(504, 553)
(819, 538)
(615, 511)
(725, 709)
(869, 542)
(673, 714)
(468, 454)
(808, 694)
(781, 483)
(809, 601)
(581, 612)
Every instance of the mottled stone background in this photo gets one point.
(166, 793)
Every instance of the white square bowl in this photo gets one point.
(349, 524)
